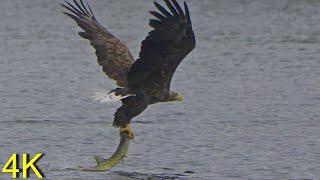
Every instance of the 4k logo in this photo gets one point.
(11, 166)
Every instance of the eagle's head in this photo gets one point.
(174, 96)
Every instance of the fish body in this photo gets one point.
(118, 155)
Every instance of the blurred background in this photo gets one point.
(251, 88)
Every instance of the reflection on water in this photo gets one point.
(251, 89)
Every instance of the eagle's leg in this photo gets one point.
(128, 130)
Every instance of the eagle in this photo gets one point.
(146, 80)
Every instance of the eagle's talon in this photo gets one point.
(128, 130)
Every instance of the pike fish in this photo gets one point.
(118, 155)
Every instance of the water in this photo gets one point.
(251, 89)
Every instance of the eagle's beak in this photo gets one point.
(179, 97)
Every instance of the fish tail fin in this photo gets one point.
(111, 96)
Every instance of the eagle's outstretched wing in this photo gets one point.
(171, 39)
(112, 54)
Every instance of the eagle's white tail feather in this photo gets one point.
(108, 97)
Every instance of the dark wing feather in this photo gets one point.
(171, 39)
(114, 56)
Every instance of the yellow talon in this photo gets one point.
(128, 130)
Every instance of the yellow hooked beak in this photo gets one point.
(179, 97)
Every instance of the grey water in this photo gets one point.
(251, 88)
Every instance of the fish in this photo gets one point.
(117, 156)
